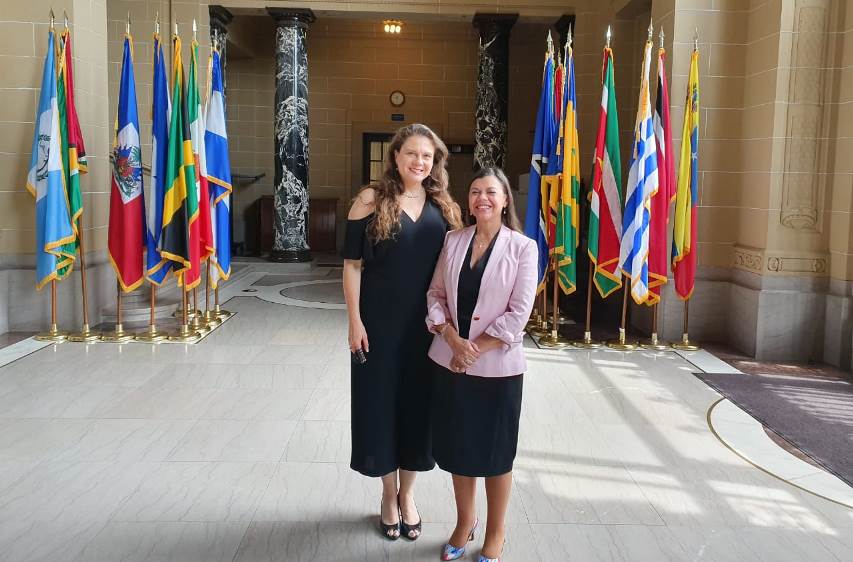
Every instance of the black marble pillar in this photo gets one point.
(219, 20)
(490, 112)
(290, 115)
(562, 26)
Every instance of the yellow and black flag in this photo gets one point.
(180, 175)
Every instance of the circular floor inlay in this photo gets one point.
(325, 293)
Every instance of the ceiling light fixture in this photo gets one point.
(392, 26)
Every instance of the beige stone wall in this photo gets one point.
(841, 154)
(23, 43)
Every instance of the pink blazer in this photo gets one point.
(507, 292)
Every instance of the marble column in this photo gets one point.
(490, 112)
(290, 113)
(219, 20)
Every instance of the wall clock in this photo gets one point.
(397, 98)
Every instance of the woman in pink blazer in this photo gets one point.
(478, 303)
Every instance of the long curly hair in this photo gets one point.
(386, 220)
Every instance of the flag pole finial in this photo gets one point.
(176, 29)
(127, 25)
(569, 37)
(195, 30)
(550, 43)
(157, 23)
(609, 35)
(696, 39)
(65, 15)
(661, 37)
(651, 30)
(52, 19)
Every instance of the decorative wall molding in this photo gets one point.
(802, 185)
(748, 259)
(775, 263)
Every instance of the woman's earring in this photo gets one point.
(503, 211)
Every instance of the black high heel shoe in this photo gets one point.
(406, 530)
(387, 531)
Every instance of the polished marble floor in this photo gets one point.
(236, 449)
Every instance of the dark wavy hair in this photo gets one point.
(510, 217)
(386, 221)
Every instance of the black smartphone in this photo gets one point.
(358, 357)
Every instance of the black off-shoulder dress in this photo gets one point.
(391, 392)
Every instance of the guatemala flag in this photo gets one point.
(543, 138)
(45, 180)
(218, 173)
(642, 183)
(157, 268)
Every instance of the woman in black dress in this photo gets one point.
(394, 235)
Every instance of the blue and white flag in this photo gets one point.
(156, 267)
(642, 184)
(45, 180)
(535, 222)
(218, 173)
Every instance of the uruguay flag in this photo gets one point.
(45, 180)
(126, 236)
(535, 217)
(642, 183)
(158, 268)
(218, 173)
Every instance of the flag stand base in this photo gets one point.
(118, 336)
(654, 343)
(197, 324)
(152, 335)
(212, 319)
(685, 344)
(179, 313)
(554, 339)
(587, 342)
(621, 344)
(185, 335)
(541, 330)
(221, 313)
(53, 334)
(84, 336)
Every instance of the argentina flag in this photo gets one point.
(156, 267)
(642, 183)
(45, 180)
(218, 173)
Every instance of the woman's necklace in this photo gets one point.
(418, 195)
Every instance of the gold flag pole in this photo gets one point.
(210, 316)
(685, 344)
(553, 338)
(119, 335)
(197, 323)
(541, 329)
(587, 341)
(622, 344)
(85, 335)
(53, 334)
(185, 334)
(654, 342)
(153, 335)
(221, 313)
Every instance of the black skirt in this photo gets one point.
(475, 422)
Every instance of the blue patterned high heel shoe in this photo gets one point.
(451, 552)
(484, 559)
